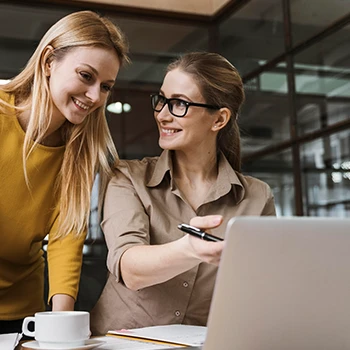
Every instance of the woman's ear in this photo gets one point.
(46, 62)
(222, 118)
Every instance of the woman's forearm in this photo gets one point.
(62, 302)
(146, 265)
(143, 266)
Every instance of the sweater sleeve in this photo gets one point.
(64, 263)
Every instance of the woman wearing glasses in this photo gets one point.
(158, 274)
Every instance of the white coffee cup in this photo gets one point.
(59, 329)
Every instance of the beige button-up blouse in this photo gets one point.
(144, 206)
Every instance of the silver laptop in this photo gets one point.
(282, 284)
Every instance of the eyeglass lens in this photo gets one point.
(158, 102)
(176, 106)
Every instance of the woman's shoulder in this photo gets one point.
(254, 184)
(6, 97)
(137, 168)
(137, 164)
(7, 111)
(7, 102)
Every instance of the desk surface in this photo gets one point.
(120, 347)
(19, 347)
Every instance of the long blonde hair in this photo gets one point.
(220, 85)
(89, 146)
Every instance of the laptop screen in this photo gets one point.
(282, 283)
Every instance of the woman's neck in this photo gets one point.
(52, 137)
(194, 176)
(195, 168)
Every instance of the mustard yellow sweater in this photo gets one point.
(26, 217)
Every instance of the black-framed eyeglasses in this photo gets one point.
(176, 106)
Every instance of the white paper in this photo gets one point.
(9, 341)
(114, 343)
(175, 333)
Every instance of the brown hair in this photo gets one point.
(89, 146)
(220, 85)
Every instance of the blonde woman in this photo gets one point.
(54, 139)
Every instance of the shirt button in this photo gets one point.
(185, 284)
(177, 313)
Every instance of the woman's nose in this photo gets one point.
(94, 93)
(164, 114)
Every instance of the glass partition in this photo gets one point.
(154, 44)
(21, 28)
(322, 81)
(264, 120)
(277, 171)
(253, 35)
(326, 175)
(311, 17)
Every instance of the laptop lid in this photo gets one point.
(282, 284)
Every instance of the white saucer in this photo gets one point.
(89, 344)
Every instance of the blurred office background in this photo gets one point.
(294, 57)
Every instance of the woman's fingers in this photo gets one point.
(206, 222)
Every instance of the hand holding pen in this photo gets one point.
(206, 247)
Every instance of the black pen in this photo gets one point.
(194, 231)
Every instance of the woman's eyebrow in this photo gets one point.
(175, 95)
